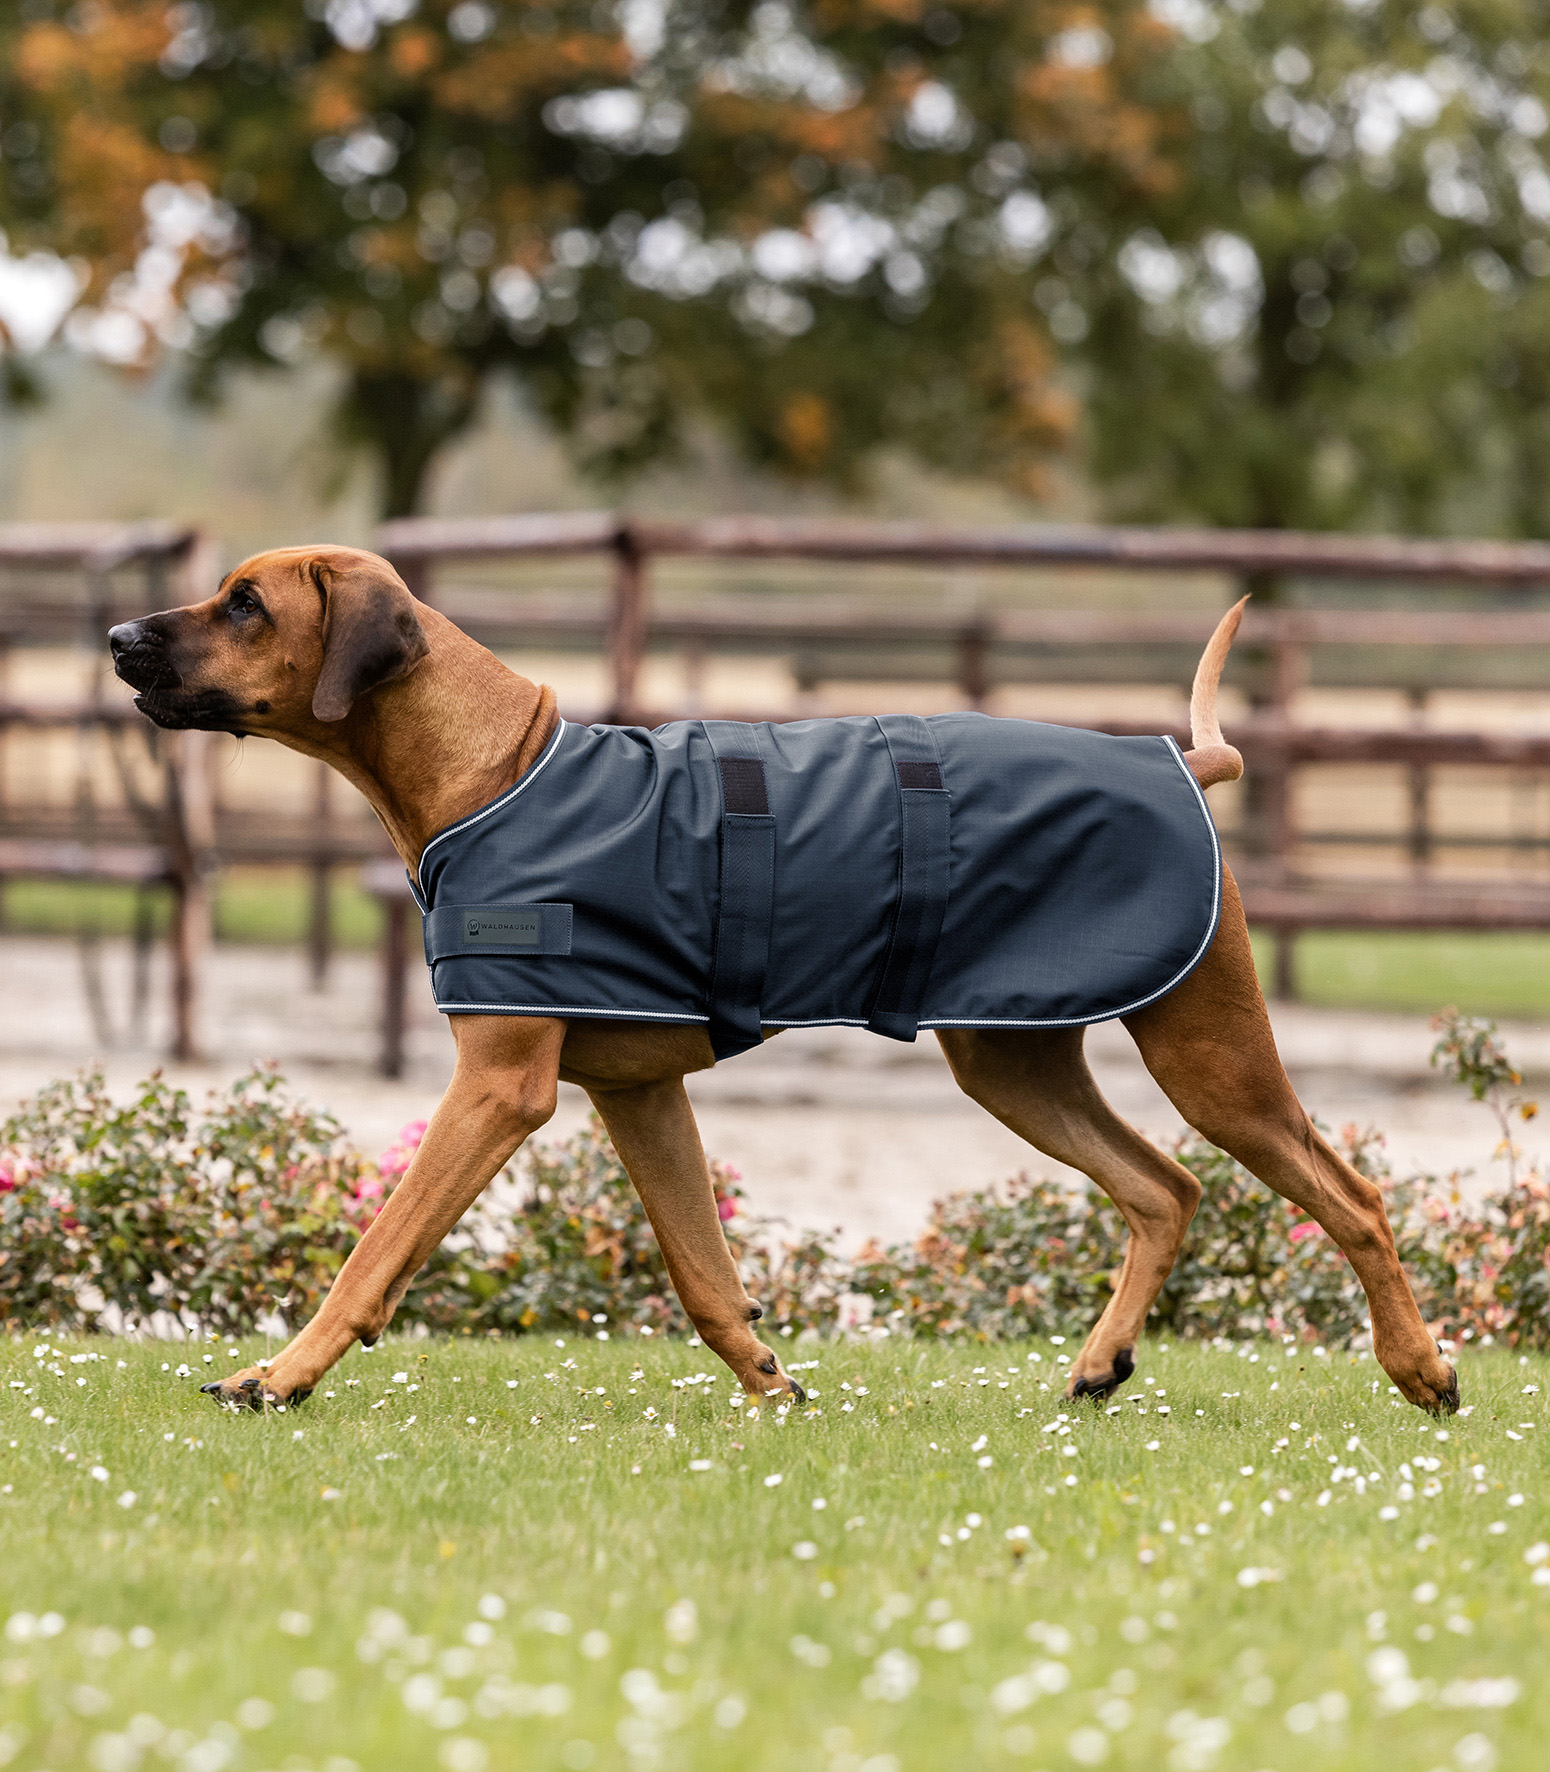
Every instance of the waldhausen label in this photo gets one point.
(516, 929)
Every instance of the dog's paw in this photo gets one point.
(1423, 1377)
(1438, 1395)
(252, 1390)
(1099, 1385)
(237, 1392)
(775, 1380)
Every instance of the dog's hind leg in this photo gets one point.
(1209, 1044)
(652, 1126)
(1037, 1082)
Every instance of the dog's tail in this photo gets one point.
(1211, 759)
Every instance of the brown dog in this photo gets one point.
(325, 650)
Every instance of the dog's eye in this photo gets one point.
(242, 602)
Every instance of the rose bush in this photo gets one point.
(222, 1217)
(122, 1210)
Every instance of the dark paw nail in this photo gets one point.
(1100, 1388)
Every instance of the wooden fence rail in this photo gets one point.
(413, 540)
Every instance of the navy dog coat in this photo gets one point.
(892, 873)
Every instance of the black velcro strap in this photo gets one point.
(515, 930)
(747, 889)
(742, 785)
(925, 814)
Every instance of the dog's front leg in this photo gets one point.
(502, 1091)
(652, 1126)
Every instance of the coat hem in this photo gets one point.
(572, 1009)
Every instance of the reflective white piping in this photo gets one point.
(495, 805)
(571, 1009)
(822, 1021)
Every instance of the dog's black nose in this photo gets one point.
(126, 637)
(140, 656)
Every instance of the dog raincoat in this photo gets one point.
(893, 873)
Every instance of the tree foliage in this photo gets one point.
(814, 224)
(1265, 262)
(1338, 313)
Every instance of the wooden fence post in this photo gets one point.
(416, 570)
(386, 883)
(1268, 831)
(627, 625)
(395, 962)
(1419, 783)
(190, 858)
(974, 641)
(1288, 674)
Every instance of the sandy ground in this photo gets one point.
(830, 1127)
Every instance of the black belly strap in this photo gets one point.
(925, 813)
(748, 883)
(747, 888)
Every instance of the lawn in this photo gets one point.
(272, 906)
(543, 1554)
(1485, 973)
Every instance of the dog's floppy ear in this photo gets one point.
(371, 634)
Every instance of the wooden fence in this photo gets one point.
(1414, 649)
(126, 569)
(1497, 634)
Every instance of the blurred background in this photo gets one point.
(774, 360)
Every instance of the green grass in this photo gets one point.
(264, 905)
(538, 1577)
(1491, 973)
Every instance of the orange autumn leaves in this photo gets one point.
(1064, 85)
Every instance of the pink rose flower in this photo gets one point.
(400, 1153)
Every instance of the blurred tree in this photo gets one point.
(813, 223)
(1340, 311)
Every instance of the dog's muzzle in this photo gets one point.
(140, 656)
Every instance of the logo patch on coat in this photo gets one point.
(517, 929)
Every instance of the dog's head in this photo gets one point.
(292, 638)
